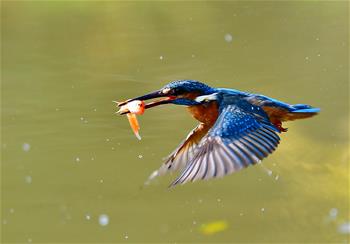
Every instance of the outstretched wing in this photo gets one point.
(184, 153)
(239, 138)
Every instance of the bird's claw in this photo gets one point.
(278, 124)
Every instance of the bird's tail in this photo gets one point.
(301, 111)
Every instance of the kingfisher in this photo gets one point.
(236, 129)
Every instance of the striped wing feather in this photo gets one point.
(238, 139)
(184, 153)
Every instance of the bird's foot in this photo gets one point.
(278, 124)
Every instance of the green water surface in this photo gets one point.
(69, 163)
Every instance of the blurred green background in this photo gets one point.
(72, 171)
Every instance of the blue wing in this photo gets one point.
(241, 136)
(183, 154)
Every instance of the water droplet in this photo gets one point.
(344, 228)
(161, 57)
(262, 209)
(63, 208)
(228, 37)
(12, 210)
(77, 159)
(81, 118)
(103, 219)
(277, 177)
(194, 222)
(28, 179)
(101, 181)
(87, 216)
(126, 236)
(333, 213)
(107, 139)
(193, 56)
(29, 240)
(219, 200)
(140, 156)
(26, 147)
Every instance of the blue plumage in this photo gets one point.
(236, 129)
(188, 86)
(303, 108)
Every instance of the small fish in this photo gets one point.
(132, 109)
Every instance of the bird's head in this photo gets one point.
(180, 92)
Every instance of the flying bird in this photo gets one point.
(236, 129)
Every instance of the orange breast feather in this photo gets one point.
(206, 113)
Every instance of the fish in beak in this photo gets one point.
(163, 98)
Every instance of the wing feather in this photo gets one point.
(183, 154)
(238, 139)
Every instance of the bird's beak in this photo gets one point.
(163, 99)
